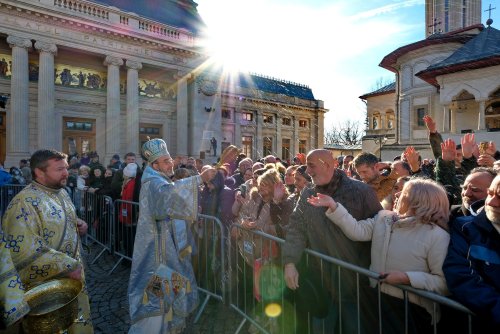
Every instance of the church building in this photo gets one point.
(104, 75)
(453, 75)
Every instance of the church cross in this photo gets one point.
(489, 10)
(434, 25)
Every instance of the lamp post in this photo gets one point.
(380, 140)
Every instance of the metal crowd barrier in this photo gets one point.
(258, 293)
(7, 193)
(124, 227)
(209, 259)
(97, 211)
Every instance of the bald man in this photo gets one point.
(310, 227)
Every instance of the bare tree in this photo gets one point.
(346, 133)
(382, 82)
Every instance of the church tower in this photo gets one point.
(442, 16)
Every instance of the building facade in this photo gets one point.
(82, 76)
(452, 76)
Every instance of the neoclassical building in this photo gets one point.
(452, 75)
(104, 75)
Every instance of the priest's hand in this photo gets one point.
(82, 227)
(291, 276)
(208, 174)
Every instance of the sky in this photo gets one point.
(332, 46)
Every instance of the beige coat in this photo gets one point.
(401, 245)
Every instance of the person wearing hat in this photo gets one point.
(162, 287)
(115, 162)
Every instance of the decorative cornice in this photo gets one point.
(132, 64)
(46, 47)
(19, 42)
(112, 60)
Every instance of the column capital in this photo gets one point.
(132, 64)
(19, 42)
(112, 60)
(46, 47)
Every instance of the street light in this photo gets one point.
(380, 140)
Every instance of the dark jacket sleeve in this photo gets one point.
(435, 140)
(446, 175)
(467, 165)
(465, 281)
(296, 236)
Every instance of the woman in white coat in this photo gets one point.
(409, 245)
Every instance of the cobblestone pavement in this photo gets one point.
(109, 304)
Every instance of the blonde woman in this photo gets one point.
(409, 245)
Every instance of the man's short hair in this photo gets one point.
(40, 159)
(24, 161)
(129, 154)
(482, 169)
(365, 158)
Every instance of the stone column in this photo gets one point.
(453, 123)
(113, 107)
(321, 129)
(279, 141)
(295, 139)
(18, 116)
(481, 124)
(237, 127)
(48, 132)
(446, 118)
(132, 131)
(258, 140)
(312, 134)
(182, 117)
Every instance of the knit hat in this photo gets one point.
(130, 170)
(154, 148)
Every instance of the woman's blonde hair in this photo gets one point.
(84, 168)
(427, 201)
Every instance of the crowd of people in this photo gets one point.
(431, 224)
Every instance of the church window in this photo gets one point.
(420, 112)
(226, 113)
(268, 119)
(247, 116)
(492, 116)
(302, 123)
(302, 146)
(285, 148)
(268, 146)
(246, 145)
(286, 121)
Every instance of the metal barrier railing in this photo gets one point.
(97, 211)
(244, 269)
(124, 227)
(209, 260)
(258, 293)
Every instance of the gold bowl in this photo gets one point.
(53, 304)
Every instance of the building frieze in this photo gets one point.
(80, 35)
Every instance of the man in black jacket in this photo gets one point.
(309, 227)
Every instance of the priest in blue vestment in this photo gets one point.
(162, 288)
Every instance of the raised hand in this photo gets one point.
(411, 155)
(491, 150)
(322, 200)
(485, 160)
(448, 150)
(279, 192)
(468, 145)
(430, 124)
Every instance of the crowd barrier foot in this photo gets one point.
(98, 256)
(202, 308)
(116, 265)
(240, 327)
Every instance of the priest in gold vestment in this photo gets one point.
(42, 232)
